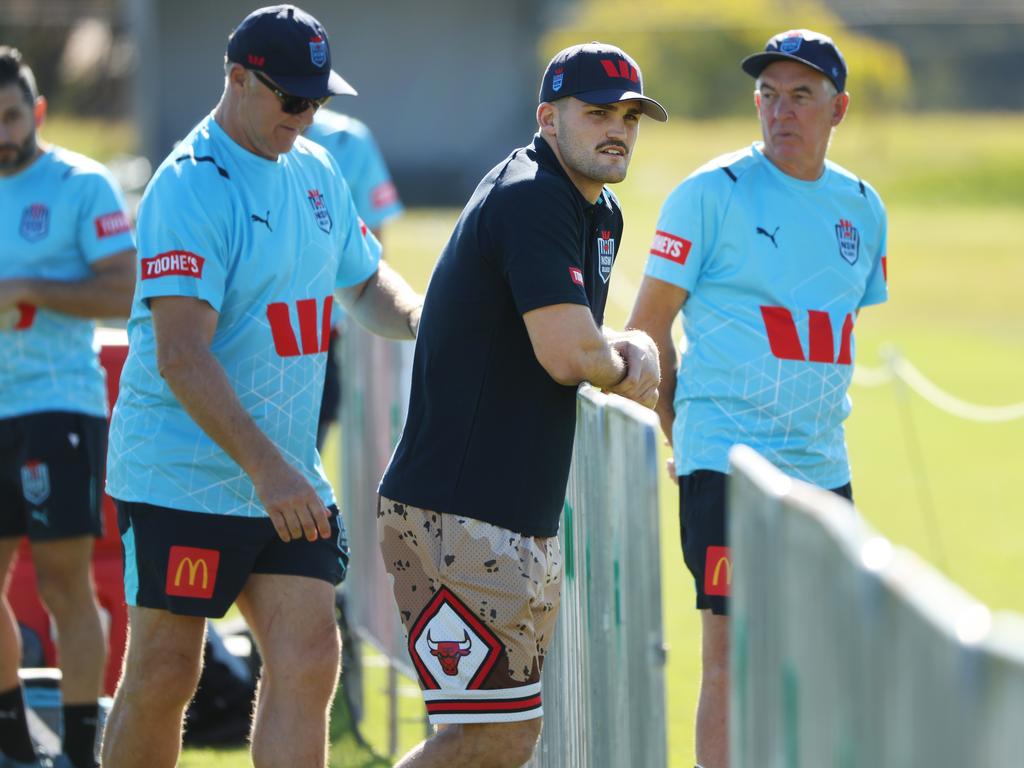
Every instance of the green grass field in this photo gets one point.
(956, 212)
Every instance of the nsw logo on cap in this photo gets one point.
(791, 44)
(318, 51)
(556, 81)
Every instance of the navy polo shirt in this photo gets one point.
(489, 433)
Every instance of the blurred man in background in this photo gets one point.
(513, 322)
(769, 253)
(66, 256)
(361, 163)
(246, 232)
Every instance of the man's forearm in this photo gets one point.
(667, 386)
(201, 386)
(387, 305)
(101, 295)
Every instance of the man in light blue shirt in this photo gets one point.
(246, 233)
(66, 256)
(769, 253)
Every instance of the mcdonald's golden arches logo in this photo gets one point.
(192, 572)
(718, 572)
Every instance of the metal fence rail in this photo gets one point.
(604, 693)
(851, 653)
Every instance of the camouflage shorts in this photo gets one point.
(479, 604)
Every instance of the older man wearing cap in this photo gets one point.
(769, 253)
(246, 232)
(512, 323)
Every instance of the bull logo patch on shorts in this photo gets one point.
(35, 482)
(605, 255)
(323, 216)
(451, 647)
(35, 222)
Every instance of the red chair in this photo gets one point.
(106, 560)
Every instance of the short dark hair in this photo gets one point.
(14, 70)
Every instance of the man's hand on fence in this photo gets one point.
(643, 373)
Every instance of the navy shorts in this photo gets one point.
(702, 524)
(196, 564)
(51, 475)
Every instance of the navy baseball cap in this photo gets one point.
(597, 73)
(291, 47)
(814, 49)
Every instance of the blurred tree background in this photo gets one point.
(81, 52)
(936, 55)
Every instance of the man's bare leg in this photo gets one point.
(292, 619)
(161, 671)
(713, 704)
(482, 745)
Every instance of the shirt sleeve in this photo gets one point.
(376, 197)
(360, 250)
(182, 251)
(104, 227)
(536, 232)
(877, 291)
(681, 240)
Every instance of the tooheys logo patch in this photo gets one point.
(183, 263)
(110, 224)
(384, 194)
(192, 572)
(668, 246)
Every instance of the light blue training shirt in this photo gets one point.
(265, 243)
(354, 149)
(776, 269)
(58, 217)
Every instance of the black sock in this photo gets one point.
(80, 734)
(14, 739)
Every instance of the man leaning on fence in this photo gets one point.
(66, 256)
(512, 323)
(769, 252)
(246, 232)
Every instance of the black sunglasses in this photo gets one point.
(293, 105)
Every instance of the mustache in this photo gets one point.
(620, 144)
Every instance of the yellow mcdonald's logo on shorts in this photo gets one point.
(718, 572)
(192, 572)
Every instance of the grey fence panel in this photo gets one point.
(848, 652)
(375, 376)
(604, 692)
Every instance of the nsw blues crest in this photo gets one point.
(556, 81)
(35, 482)
(35, 222)
(791, 44)
(318, 51)
(849, 240)
(323, 216)
(605, 255)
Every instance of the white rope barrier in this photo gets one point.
(898, 368)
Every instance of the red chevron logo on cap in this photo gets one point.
(623, 70)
